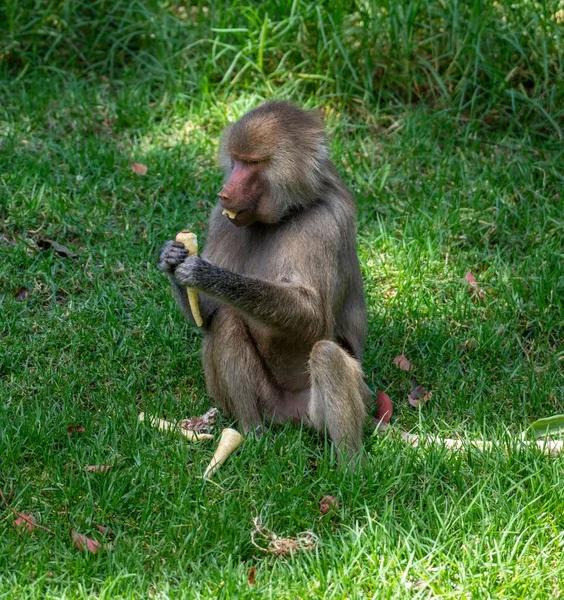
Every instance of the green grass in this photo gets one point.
(456, 166)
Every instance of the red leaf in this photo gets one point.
(328, 503)
(418, 395)
(21, 294)
(138, 168)
(474, 285)
(384, 407)
(470, 279)
(97, 468)
(81, 542)
(252, 572)
(402, 363)
(74, 430)
(24, 522)
(106, 531)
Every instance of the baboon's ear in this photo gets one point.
(319, 113)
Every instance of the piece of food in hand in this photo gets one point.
(163, 425)
(229, 442)
(190, 242)
(229, 213)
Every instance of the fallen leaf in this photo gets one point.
(74, 430)
(8, 239)
(328, 504)
(252, 572)
(474, 285)
(24, 522)
(81, 542)
(106, 531)
(138, 168)
(402, 363)
(418, 395)
(97, 468)
(21, 294)
(46, 244)
(384, 407)
(380, 426)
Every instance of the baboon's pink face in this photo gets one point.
(246, 189)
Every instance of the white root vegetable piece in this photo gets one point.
(190, 242)
(229, 442)
(229, 213)
(163, 425)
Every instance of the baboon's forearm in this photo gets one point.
(287, 307)
(207, 305)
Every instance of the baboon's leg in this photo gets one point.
(338, 396)
(235, 375)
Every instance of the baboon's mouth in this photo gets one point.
(232, 214)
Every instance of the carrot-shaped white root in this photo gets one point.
(163, 425)
(229, 442)
(545, 446)
(229, 213)
(190, 242)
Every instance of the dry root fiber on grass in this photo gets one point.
(281, 546)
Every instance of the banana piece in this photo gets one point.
(229, 213)
(190, 242)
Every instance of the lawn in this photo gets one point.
(446, 123)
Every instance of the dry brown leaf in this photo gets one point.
(8, 239)
(106, 531)
(24, 522)
(384, 407)
(74, 430)
(81, 542)
(46, 244)
(252, 572)
(138, 168)
(474, 285)
(97, 468)
(402, 363)
(380, 426)
(328, 504)
(418, 395)
(21, 295)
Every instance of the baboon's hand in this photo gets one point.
(172, 254)
(192, 272)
